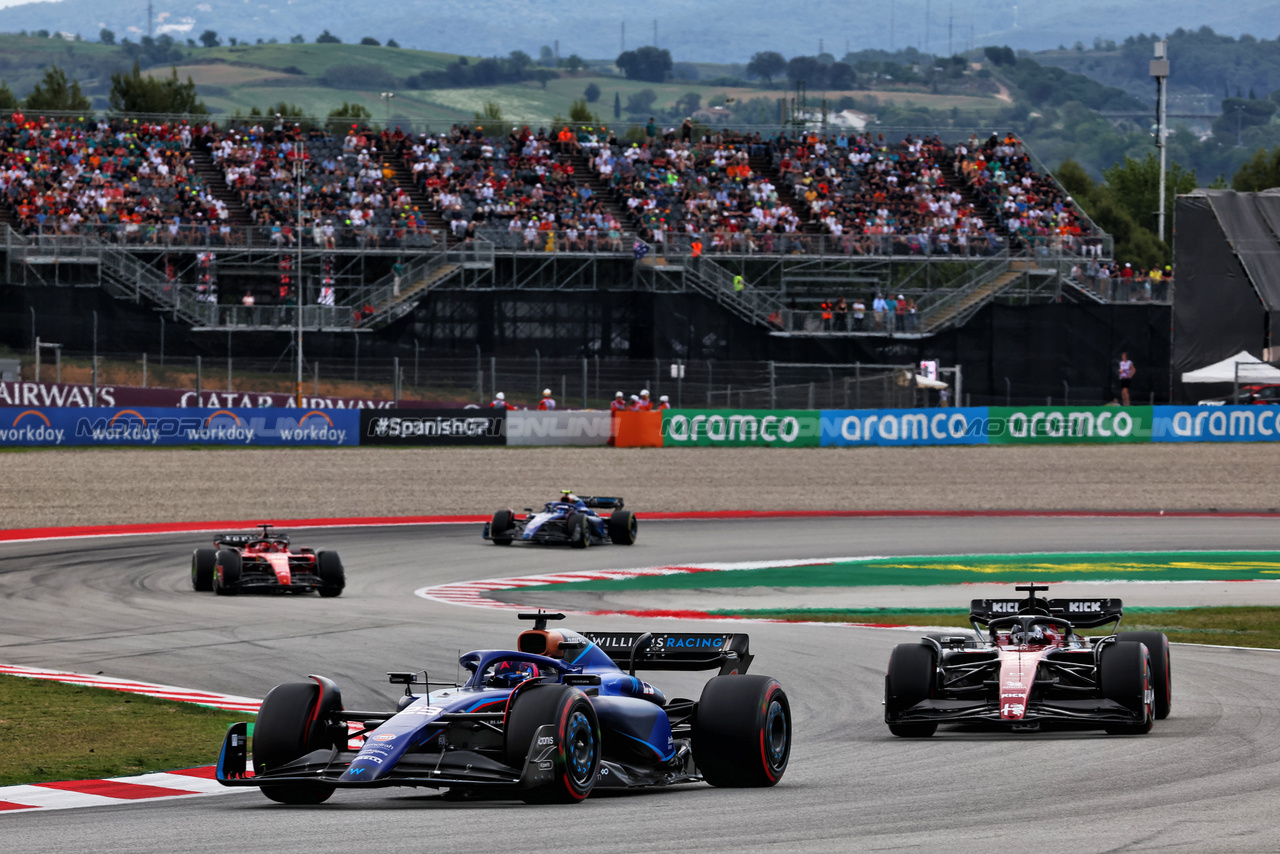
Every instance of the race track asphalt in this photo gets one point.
(1204, 780)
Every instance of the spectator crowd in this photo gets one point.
(139, 182)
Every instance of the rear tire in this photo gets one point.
(577, 757)
(204, 563)
(912, 677)
(333, 578)
(227, 573)
(284, 731)
(579, 535)
(1125, 677)
(500, 525)
(742, 732)
(1161, 669)
(622, 528)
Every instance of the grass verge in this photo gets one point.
(1225, 626)
(51, 731)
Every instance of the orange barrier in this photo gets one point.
(637, 430)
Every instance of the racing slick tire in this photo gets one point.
(500, 525)
(227, 572)
(285, 730)
(333, 578)
(204, 563)
(579, 531)
(577, 757)
(1161, 670)
(911, 678)
(742, 732)
(622, 528)
(1125, 677)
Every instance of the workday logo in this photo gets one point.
(31, 427)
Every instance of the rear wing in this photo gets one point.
(246, 539)
(727, 652)
(598, 502)
(1080, 613)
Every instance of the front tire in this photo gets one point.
(285, 730)
(333, 578)
(204, 563)
(1161, 669)
(227, 572)
(1125, 677)
(911, 678)
(501, 524)
(578, 742)
(622, 528)
(579, 534)
(742, 732)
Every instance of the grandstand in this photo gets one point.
(215, 226)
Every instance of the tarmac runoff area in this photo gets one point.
(1152, 594)
(1156, 579)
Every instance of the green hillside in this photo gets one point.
(319, 77)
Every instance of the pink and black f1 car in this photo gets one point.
(263, 561)
(1029, 667)
(550, 721)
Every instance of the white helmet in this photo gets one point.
(546, 392)
(619, 394)
(644, 392)
(633, 397)
(663, 399)
(501, 396)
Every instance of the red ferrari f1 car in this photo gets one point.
(263, 561)
(1030, 667)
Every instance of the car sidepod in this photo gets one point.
(635, 730)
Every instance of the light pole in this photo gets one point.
(299, 177)
(1160, 71)
(386, 99)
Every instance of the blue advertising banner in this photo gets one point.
(1215, 424)
(53, 426)
(958, 426)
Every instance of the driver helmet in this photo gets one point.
(568, 496)
(1033, 635)
(509, 674)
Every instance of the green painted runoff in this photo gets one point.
(960, 569)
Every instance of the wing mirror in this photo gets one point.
(642, 643)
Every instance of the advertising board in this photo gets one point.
(410, 427)
(106, 426)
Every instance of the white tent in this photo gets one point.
(1252, 370)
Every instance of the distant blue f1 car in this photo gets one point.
(565, 520)
(548, 722)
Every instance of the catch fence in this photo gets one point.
(586, 383)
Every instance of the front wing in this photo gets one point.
(547, 535)
(433, 770)
(256, 578)
(1096, 711)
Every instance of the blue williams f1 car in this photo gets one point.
(548, 723)
(567, 519)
